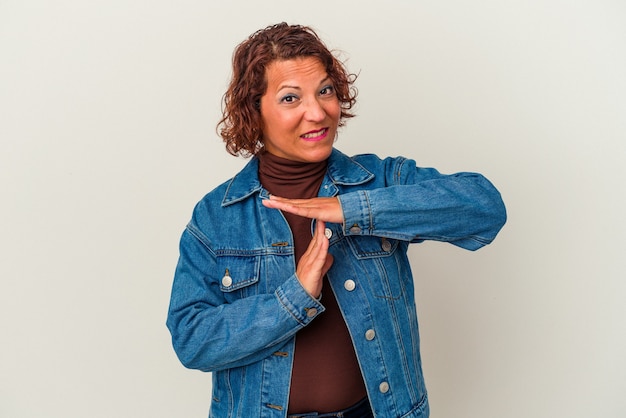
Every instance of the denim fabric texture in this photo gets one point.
(236, 303)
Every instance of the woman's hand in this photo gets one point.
(327, 209)
(315, 262)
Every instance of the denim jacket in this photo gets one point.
(237, 305)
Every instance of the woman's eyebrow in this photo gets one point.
(288, 86)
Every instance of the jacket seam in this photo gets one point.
(198, 235)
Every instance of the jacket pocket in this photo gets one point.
(378, 261)
(239, 275)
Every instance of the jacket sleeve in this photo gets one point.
(210, 334)
(417, 204)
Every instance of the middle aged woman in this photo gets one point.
(309, 310)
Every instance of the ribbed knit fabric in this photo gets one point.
(326, 375)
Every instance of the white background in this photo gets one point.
(107, 128)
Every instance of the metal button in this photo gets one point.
(383, 387)
(370, 334)
(349, 285)
(311, 312)
(328, 233)
(355, 229)
(386, 245)
(227, 281)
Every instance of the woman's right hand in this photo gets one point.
(315, 262)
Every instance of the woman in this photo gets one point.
(293, 284)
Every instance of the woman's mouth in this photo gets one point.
(317, 135)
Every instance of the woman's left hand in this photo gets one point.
(327, 209)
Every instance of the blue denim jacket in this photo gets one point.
(237, 304)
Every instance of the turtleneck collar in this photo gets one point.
(291, 179)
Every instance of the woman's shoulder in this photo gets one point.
(217, 194)
(377, 164)
(370, 159)
(239, 186)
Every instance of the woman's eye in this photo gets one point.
(328, 90)
(288, 99)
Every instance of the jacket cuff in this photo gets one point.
(298, 302)
(357, 213)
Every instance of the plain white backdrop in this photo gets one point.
(107, 140)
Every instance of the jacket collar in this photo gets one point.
(341, 170)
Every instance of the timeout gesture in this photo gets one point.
(327, 209)
(316, 261)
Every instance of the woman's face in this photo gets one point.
(300, 111)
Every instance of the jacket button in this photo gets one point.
(386, 245)
(355, 229)
(227, 281)
(383, 387)
(311, 312)
(328, 233)
(370, 334)
(349, 285)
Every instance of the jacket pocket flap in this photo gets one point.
(372, 247)
(238, 272)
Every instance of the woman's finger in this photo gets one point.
(323, 208)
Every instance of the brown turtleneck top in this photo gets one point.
(326, 375)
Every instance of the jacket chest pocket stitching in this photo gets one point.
(372, 247)
(378, 259)
(238, 274)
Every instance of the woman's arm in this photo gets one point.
(210, 334)
(418, 204)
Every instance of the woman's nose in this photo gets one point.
(314, 111)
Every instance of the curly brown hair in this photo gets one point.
(240, 126)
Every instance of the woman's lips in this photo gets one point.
(317, 135)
